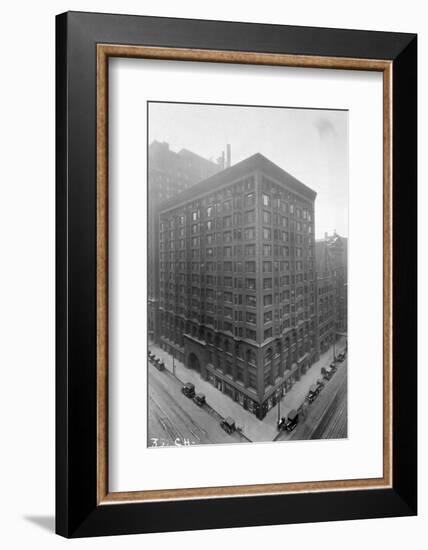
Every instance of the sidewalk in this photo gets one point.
(252, 427)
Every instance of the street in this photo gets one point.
(327, 415)
(175, 420)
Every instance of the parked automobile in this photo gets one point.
(333, 366)
(160, 365)
(281, 424)
(199, 399)
(327, 373)
(320, 384)
(228, 425)
(341, 357)
(189, 390)
(292, 420)
(313, 392)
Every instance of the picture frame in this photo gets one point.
(84, 44)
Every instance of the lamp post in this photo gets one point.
(279, 404)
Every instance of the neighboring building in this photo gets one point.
(338, 247)
(169, 173)
(237, 281)
(332, 276)
(326, 289)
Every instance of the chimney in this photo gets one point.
(228, 156)
(220, 161)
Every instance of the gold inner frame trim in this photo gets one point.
(104, 52)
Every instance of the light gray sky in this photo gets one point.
(312, 145)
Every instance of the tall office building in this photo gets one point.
(169, 173)
(237, 281)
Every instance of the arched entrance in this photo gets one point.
(194, 362)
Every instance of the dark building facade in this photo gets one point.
(169, 173)
(326, 291)
(338, 247)
(332, 277)
(237, 281)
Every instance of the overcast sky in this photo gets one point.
(312, 145)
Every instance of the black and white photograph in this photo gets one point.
(247, 274)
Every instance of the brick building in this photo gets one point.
(338, 247)
(169, 173)
(237, 281)
(332, 275)
(326, 289)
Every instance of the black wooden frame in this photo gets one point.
(77, 513)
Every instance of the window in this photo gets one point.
(237, 218)
(266, 199)
(250, 233)
(267, 250)
(250, 355)
(252, 381)
(250, 199)
(227, 236)
(210, 238)
(250, 267)
(210, 211)
(268, 333)
(267, 217)
(228, 312)
(195, 215)
(227, 221)
(250, 334)
(227, 251)
(238, 299)
(210, 252)
(227, 206)
(267, 317)
(249, 217)
(195, 228)
(251, 317)
(267, 300)
(267, 284)
(250, 250)
(251, 301)
(228, 282)
(267, 267)
(267, 234)
(251, 284)
(227, 266)
(227, 297)
(210, 225)
(228, 326)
